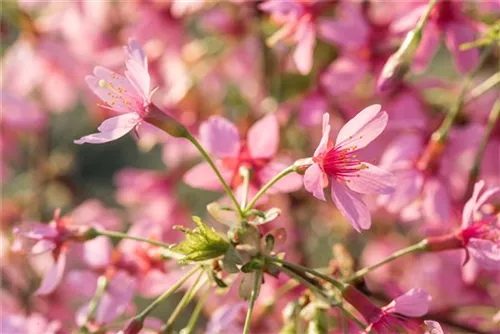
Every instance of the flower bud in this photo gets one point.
(167, 123)
(134, 326)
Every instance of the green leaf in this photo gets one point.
(202, 243)
(266, 217)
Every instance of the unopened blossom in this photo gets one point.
(339, 165)
(257, 152)
(128, 95)
(402, 315)
(446, 20)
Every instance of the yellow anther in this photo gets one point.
(102, 83)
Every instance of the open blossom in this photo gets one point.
(480, 230)
(257, 152)
(402, 315)
(339, 164)
(129, 95)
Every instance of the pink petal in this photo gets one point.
(306, 40)
(486, 196)
(80, 282)
(53, 276)
(202, 176)
(135, 53)
(97, 252)
(372, 180)
(289, 183)
(414, 303)
(367, 125)
(111, 129)
(325, 137)
(118, 295)
(434, 327)
(156, 282)
(428, 46)
(485, 252)
(139, 78)
(109, 94)
(314, 181)
(343, 75)
(408, 21)
(437, 202)
(408, 187)
(220, 137)
(456, 34)
(351, 206)
(402, 151)
(263, 137)
(312, 108)
(224, 319)
(350, 32)
(470, 206)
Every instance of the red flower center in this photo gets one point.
(340, 163)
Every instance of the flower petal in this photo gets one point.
(53, 276)
(314, 181)
(343, 74)
(289, 183)
(111, 129)
(202, 176)
(367, 125)
(97, 252)
(428, 46)
(434, 327)
(350, 31)
(351, 206)
(117, 297)
(437, 202)
(458, 33)
(470, 206)
(325, 137)
(372, 180)
(414, 303)
(220, 137)
(263, 137)
(305, 36)
(485, 252)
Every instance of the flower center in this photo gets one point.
(244, 159)
(120, 96)
(341, 163)
(487, 229)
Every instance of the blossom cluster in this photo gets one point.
(258, 167)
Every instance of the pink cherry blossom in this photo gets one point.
(448, 20)
(481, 230)
(403, 314)
(340, 166)
(257, 152)
(299, 24)
(129, 95)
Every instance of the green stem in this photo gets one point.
(205, 155)
(483, 87)
(423, 19)
(338, 284)
(474, 172)
(441, 134)
(141, 316)
(102, 284)
(186, 299)
(420, 247)
(269, 184)
(321, 294)
(119, 235)
(253, 298)
(190, 327)
(245, 173)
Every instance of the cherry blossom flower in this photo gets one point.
(129, 95)
(222, 140)
(339, 164)
(402, 315)
(446, 19)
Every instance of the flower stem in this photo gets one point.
(196, 313)
(269, 184)
(474, 172)
(186, 299)
(245, 174)
(441, 134)
(483, 87)
(119, 235)
(102, 284)
(253, 298)
(339, 285)
(205, 155)
(141, 316)
(419, 247)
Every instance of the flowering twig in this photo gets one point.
(119, 235)
(474, 172)
(253, 297)
(102, 283)
(483, 87)
(205, 155)
(269, 184)
(419, 247)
